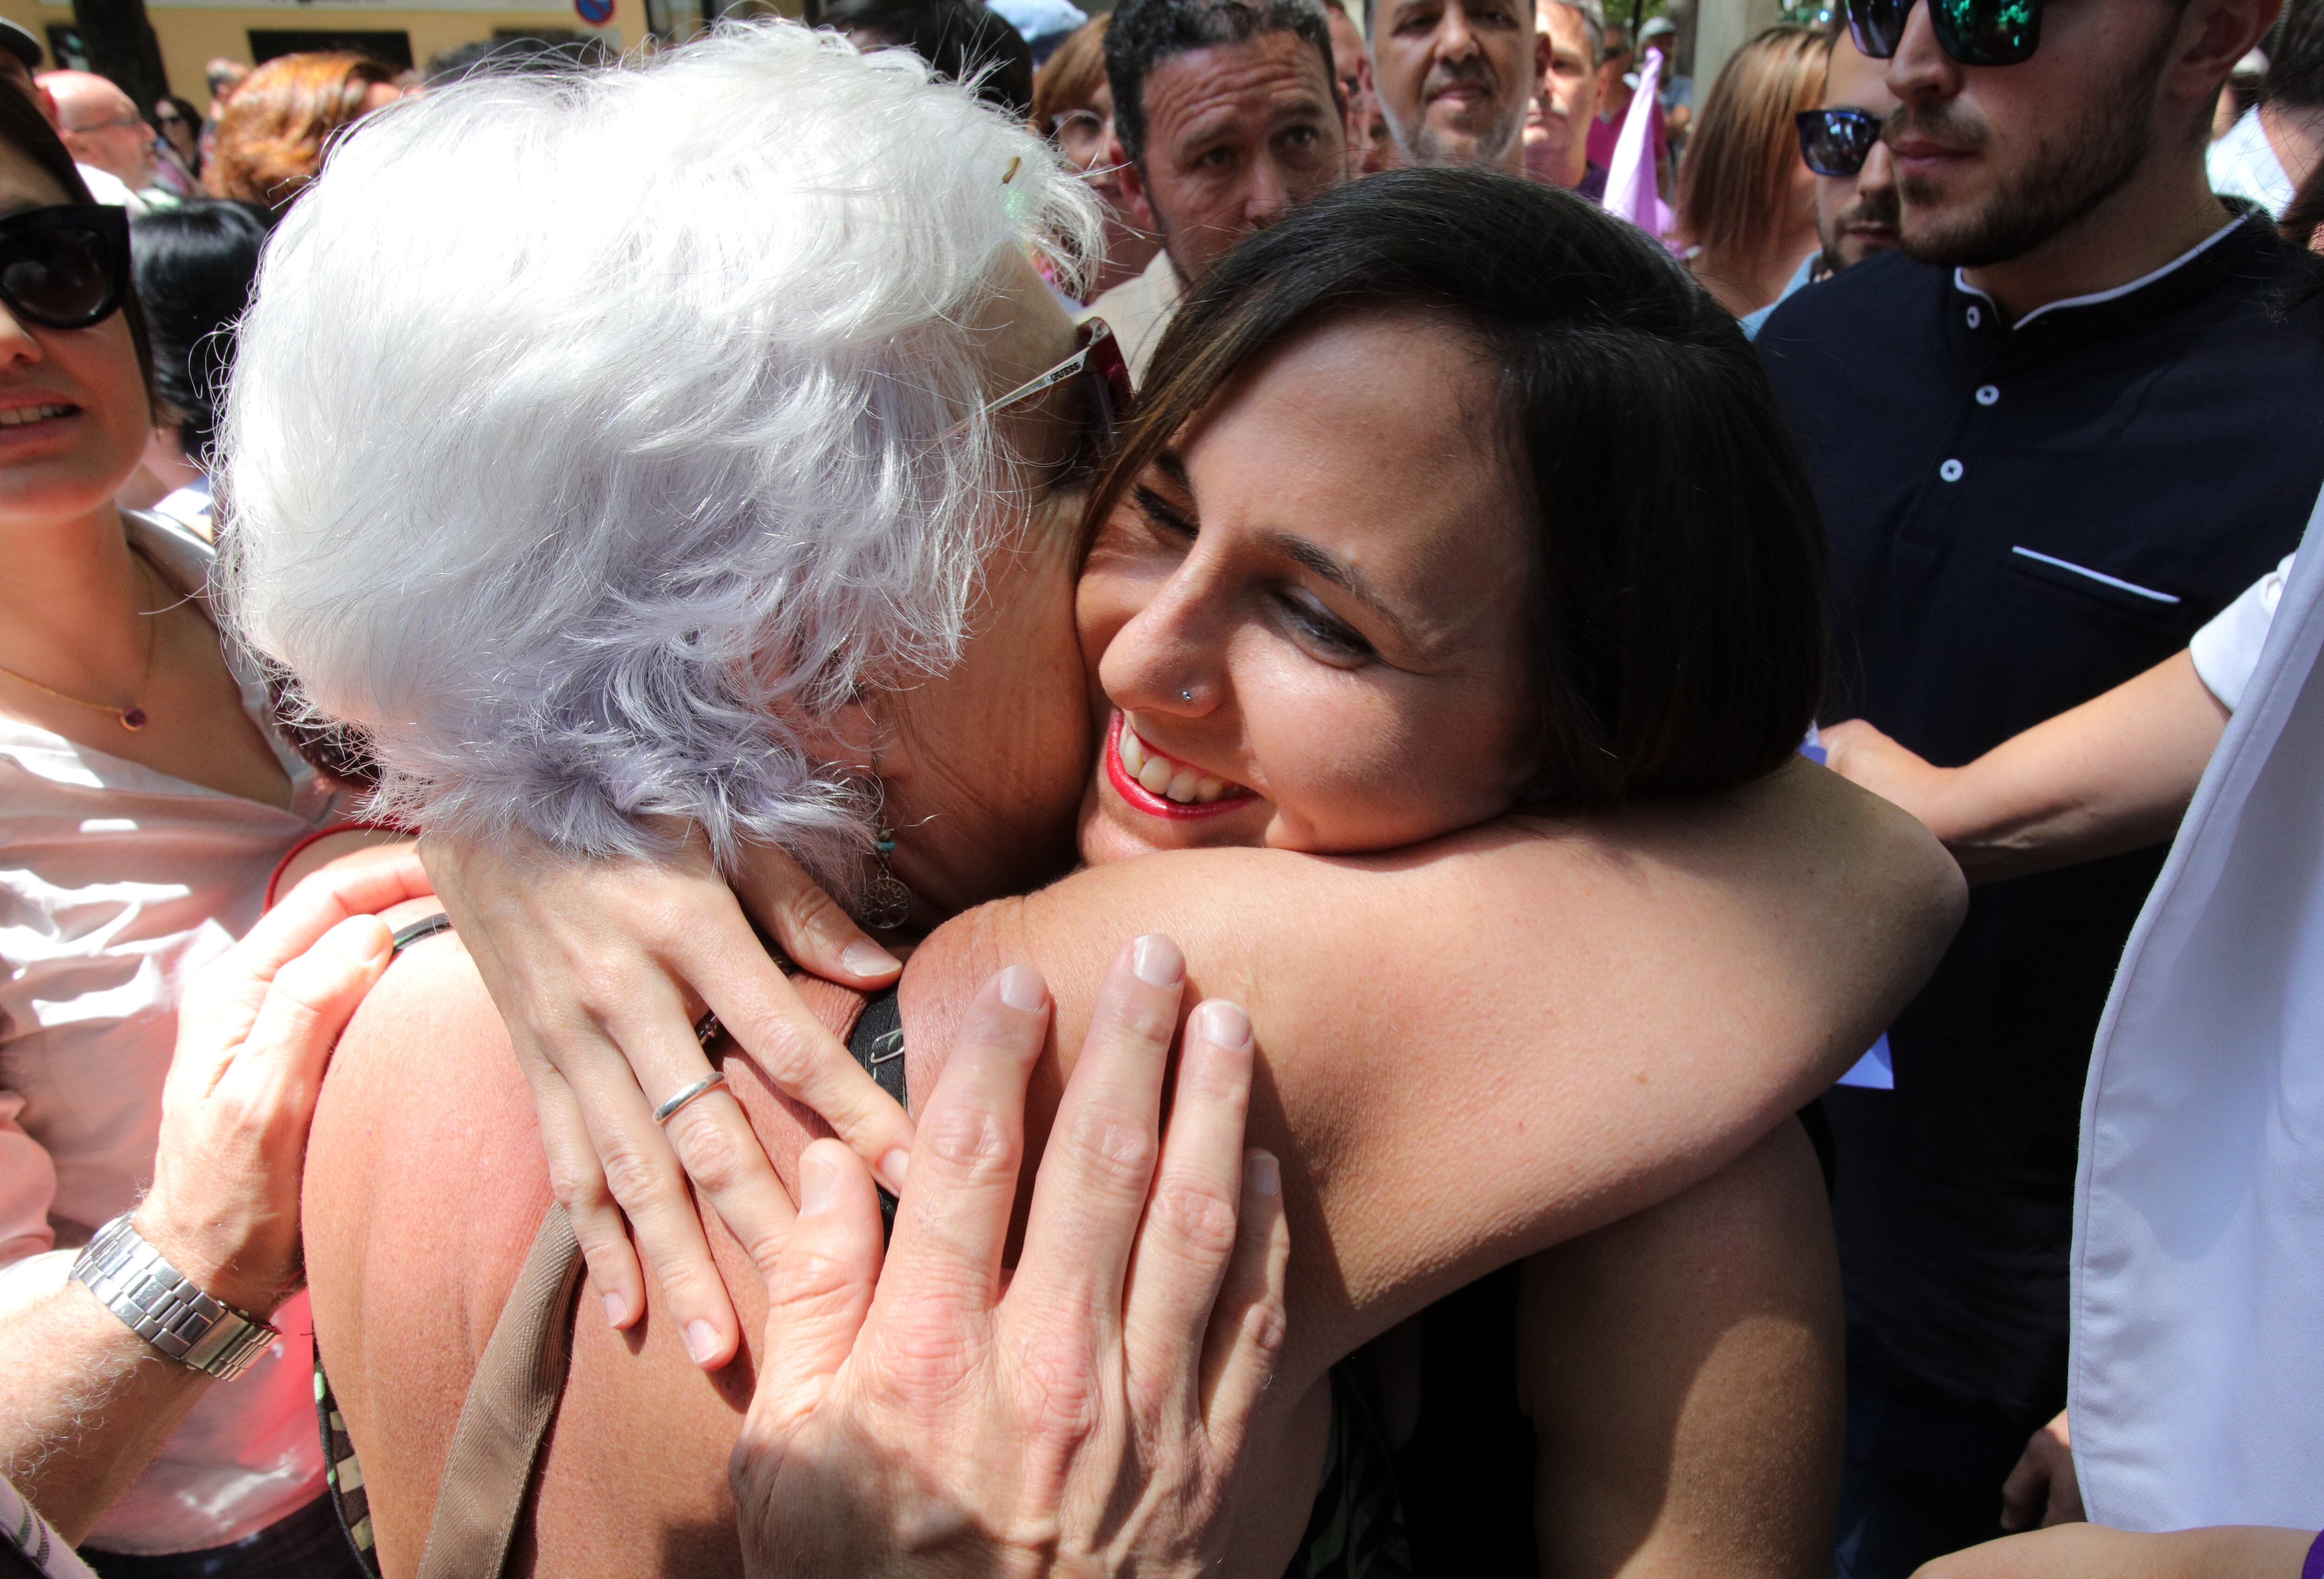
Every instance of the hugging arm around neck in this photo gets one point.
(1474, 1050)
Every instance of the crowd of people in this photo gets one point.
(1239, 787)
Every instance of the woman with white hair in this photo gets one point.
(750, 499)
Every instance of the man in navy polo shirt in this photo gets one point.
(2078, 413)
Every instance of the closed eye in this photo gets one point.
(1165, 514)
(1331, 638)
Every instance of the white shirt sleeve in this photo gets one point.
(2227, 651)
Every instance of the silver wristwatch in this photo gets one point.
(156, 1302)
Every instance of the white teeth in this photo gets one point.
(1158, 775)
(20, 415)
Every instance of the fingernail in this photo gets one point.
(1222, 1022)
(1262, 1175)
(867, 958)
(815, 1180)
(1157, 961)
(1021, 988)
(614, 1310)
(893, 1167)
(701, 1342)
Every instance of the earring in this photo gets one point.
(887, 902)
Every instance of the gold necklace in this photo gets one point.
(132, 716)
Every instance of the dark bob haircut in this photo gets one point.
(27, 131)
(1677, 621)
(195, 264)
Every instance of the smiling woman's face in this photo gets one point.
(73, 417)
(1307, 619)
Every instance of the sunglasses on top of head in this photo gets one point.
(1975, 32)
(1837, 143)
(65, 266)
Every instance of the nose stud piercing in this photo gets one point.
(1185, 696)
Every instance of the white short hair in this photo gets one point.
(590, 432)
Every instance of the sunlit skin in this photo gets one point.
(983, 789)
(72, 606)
(1235, 135)
(1856, 216)
(1353, 647)
(2115, 81)
(1455, 78)
(1557, 126)
(101, 126)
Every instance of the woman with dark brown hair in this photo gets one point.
(1746, 201)
(271, 138)
(1073, 108)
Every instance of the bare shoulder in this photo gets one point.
(424, 1186)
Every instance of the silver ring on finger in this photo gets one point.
(708, 1082)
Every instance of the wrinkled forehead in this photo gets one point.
(1191, 94)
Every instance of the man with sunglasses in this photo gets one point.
(1856, 178)
(2058, 430)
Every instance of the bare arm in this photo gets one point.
(84, 1401)
(2092, 1551)
(1528, 1033)
(2113, 775)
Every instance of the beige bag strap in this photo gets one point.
(488, 1475)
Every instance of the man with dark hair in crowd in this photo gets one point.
(1557, 126)
(2061, 429)
(1456, 77)
(1225, 114)
(966, 41)
(1855, 177)
(2278, 144)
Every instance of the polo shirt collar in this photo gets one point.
(1961, 284)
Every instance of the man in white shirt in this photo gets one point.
(2276, 146)
(1224, 115)
(109, 141)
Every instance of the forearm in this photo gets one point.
(2092, 1551)
(2113, 775)
(1527, 1037)
(84, 1403)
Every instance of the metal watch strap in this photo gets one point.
(155, 1301)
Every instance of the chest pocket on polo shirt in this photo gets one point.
(2160, 606)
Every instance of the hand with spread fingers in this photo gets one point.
(86, 1397)
(1084, 1414)
(589, 963)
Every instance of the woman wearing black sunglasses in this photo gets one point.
(143, 803)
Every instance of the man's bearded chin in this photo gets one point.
(1881, 208)
(2059, 182)
(1424, 145)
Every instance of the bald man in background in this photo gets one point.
(108, 139)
